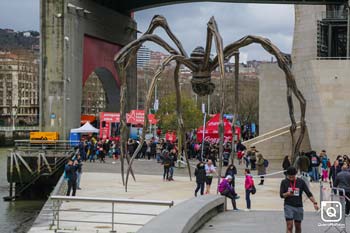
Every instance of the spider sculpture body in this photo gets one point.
(201, 66)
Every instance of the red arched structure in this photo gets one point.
(99, 53)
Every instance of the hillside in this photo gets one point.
(10, 39)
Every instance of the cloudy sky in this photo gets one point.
(188, 22)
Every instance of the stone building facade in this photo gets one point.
(19, 88)
(321, 74)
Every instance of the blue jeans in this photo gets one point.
(158, 157)
(171, 171)
(315, 175)
(247, 198)
(78, 179)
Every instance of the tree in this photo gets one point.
(167, 115)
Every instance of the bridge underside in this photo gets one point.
(135, 5)
(65, 25)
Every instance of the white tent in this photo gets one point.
(87, 128)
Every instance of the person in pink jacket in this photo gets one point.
(249, 185)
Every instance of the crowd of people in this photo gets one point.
(312, 166)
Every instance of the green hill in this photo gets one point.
(10, 39)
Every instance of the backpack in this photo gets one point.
(221, 187)
(266, 163)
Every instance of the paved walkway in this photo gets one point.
(262, 221)
(103, 180)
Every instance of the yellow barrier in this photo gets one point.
(43, 137)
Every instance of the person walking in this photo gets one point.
(159, 149)
(342, 181)
(210, 172)
(325, 165)
(79, 165)
(166, 164)
(291, 190)
(333, 172)
(253, 158)
(232, 171)
(200, 175)
(315, 163)
(260, 163)
(227, 190)
(71, 175)
(173, 159)
(249, 186)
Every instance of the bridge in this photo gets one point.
(130, 6)
(81, 37)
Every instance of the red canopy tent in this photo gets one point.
(211, 132)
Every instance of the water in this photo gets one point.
(18, 216)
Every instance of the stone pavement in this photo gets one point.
(150, 187)
(262, 221)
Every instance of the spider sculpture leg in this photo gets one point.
(182, 135)
(157, 21)
(178, 58)
(121, 71)
(160, 21)
(213, 29)
(284, 64)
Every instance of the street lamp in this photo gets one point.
(14, 116)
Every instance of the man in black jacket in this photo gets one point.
(291, 190)
(71, 174)
(342, 180)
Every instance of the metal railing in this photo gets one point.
(57, 201)
(35, 145)
(334, 15)
(19, 128)
(336, 194)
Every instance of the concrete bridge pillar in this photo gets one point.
(65, 24)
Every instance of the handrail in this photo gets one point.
(110, 200)
(58, 199)
(269, 133)
(271, 137)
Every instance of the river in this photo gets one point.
(17, 216)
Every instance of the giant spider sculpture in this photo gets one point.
(201, 66)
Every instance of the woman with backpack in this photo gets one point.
(227, 190)
(249, 187)
(260, 163)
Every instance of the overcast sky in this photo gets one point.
(188, 22)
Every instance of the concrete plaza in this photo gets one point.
(266, 203)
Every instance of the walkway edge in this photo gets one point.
(186, 217)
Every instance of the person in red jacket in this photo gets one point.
(249, 186)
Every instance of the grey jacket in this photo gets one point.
(342, 180)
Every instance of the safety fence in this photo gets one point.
(95, 214)
(332, 209)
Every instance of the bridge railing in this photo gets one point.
(37, 145)
(57, 209)
(19, 128)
